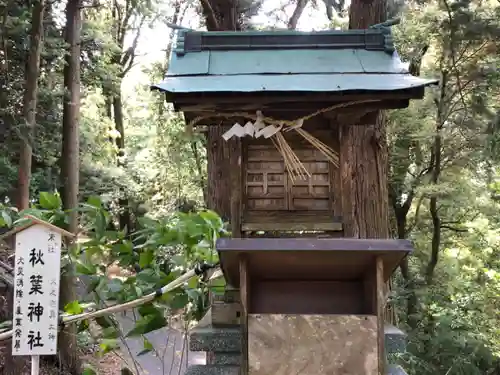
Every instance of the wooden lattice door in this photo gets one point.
(273, 200)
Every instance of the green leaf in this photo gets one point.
(94, 201)
(179, 301)
(179, 260)
(148, 276)
(104, 321)
(110, 333)
(50, 201)
(85, 268)
(88, 370)
(5, 324)
(146, 258)
(73, 308)
(7, 220)
(83, 326)
(193, 283)
(108, 345)
(148, 347)
(100, 224)
(218, 282)
(211, 218)
(149, 309)
(125, 247)
(115, 285)
(93, 284)
(147, 324)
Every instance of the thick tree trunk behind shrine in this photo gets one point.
(218, 172)
(363, 154)
(364, 158)
(219, 16)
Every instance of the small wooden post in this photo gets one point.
(35, 364)
(235, 174)
(244, 293)
(380, 300)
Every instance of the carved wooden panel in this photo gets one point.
(269, 186)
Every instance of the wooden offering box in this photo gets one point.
(312, 306)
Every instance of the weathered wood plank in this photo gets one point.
(272, 227)
(236, 184)
(245, 302)
(381, 300)
(311, 258)
(226, 313)
(312, 344)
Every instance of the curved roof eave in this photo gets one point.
(259, 83)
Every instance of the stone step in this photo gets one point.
(212, 370)
(396, 370)
(395, 339)
(222, 340)
(212, 339)
(235, 370)
(227, 358)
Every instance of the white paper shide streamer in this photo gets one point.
(293, 165)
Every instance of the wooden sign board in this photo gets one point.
(36, 289)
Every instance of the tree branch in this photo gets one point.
(454, 229)
(127, 60)
(299, 9)
(210, 19)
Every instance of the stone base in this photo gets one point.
(312, 344)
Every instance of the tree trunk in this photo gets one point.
(364, 158)
(30, 102)
(365, 13)
(199, 170)
(70, 167)
(218, 185)
(13, 365)
(123, 203)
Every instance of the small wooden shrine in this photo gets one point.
(310, 306)
(282, 96)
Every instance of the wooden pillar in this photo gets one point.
(381, 299)
(363, 151)
(245, 300)
(374, 293)
(235, 185)
(218, 187)
(363, 169)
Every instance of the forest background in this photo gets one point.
(79, 127)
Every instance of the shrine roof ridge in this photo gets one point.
(373, 39)
(263, 62)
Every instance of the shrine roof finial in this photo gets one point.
(373, 39)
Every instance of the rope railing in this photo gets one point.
(199, 270)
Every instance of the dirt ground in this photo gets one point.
(109, 364)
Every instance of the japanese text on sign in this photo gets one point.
(36, 294)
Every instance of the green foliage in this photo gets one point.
(448, 299)
(162, 248)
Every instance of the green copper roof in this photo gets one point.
(326, 61)
(376, 39)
